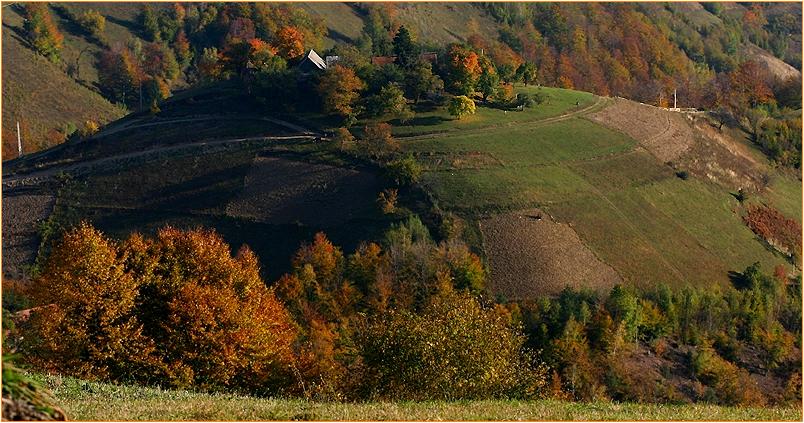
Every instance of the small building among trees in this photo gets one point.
(312, 62)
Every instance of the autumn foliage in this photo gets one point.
(176, 309)
(340, 88)
(453, 349)
(88, 327)
(289, 42)
(42, 33)
(771, 225)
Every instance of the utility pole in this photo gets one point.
(675, 103)
(19, 141)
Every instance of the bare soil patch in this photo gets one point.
(22, 215)
(666, 135)
(774, 65)
(281, 191)
(688, 142)
(531, 255)
(718, 157)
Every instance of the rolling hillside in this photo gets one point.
(40, 95)
(580, 191)
(509, 215)
(46, 108)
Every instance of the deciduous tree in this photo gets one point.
(461, 105)
(340, 88)
(289, 42)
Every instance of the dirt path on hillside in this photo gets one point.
(666, 135)
(131, 125)
(15, 181)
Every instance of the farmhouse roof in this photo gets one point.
(312, 62)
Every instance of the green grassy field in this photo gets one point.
(101, 401)
(557, 102)
(784, 193)
(629, 208)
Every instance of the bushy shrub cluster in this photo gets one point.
(772, 226)
(179, 309)
(453, 349)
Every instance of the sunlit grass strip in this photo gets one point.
(101, 401)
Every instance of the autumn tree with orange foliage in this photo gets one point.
(184, 52)
(214, 321)
(749, 86)
(289, 42)
(463, 69)
(87, 325)
(41, 31)
(340, 88)
(119, 75)
(324, 302)
(177, 309)
(377, 140)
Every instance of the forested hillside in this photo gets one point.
(647, 52)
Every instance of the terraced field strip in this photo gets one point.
(38, 177)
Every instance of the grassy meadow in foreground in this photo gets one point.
(102, 401)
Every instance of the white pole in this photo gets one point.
(675, 106)
(19, 141)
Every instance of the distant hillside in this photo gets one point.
(679, 41)
(41, 96)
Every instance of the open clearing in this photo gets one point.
(282, 191)
(103, 401)
(531, 255)
(603, 171)
(558, 102)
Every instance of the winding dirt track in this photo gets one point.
(278, 122)
(14, 181)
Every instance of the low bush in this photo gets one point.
(782, 233)
(405, 171)
(92, 22)
(454, 349)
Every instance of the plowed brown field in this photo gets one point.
(532, 255)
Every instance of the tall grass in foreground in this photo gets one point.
(102, 401)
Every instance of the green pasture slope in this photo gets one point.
(629, 208)
(102, 401)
